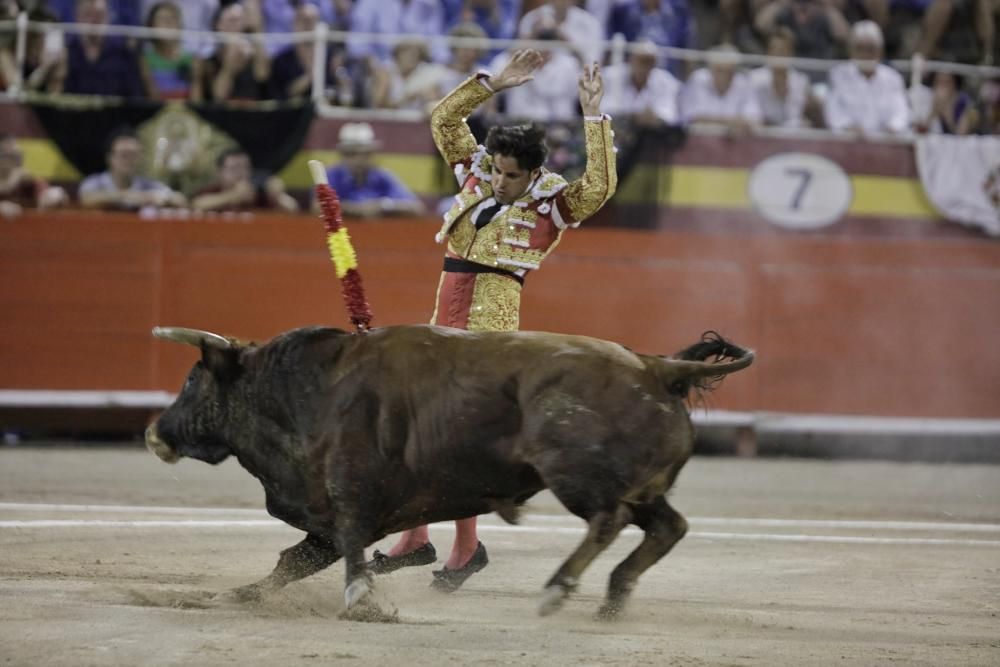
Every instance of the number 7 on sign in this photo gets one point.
(806, 176)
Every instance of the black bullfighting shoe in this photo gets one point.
(384, 564)
(449, 581)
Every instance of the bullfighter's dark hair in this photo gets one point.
(124, 132)
(525, 143)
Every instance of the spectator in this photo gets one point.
(662, 22)
(120, 12)
(866, 96)
(410, 81)
(937, 16)
(396, 17)
(292, 69)
(496, 18)
(952, 110)
(568, 23)
(365, 190)
(989, 99)
(195, 15)
(121, 187)
(464, 59)
(879, 10)
(169, 68)
(282, 16)
(20, 190)
(736, 21)
(44, 54)
(235, 189)
(552, 94)
(239, 68)
(782, 93)
(720, 95)
(97, 64)
(818, 27)
(642, 90)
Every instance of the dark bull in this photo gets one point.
(355, 437)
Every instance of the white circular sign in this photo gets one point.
(800, 190)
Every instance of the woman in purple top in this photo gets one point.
(953, 110)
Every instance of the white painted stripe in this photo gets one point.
(821, 523)
(43, 398)
(139, 509)
(172, 523)
(765, 422)
(550, 518)
(273, 523)
(842, 539)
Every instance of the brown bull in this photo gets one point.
(356, 436)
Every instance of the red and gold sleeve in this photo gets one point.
(452, 135)
(587, 194)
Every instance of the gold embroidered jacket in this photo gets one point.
(519, 236)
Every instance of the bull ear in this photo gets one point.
(222, 362)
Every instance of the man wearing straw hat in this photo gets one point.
(508, 216)
(366, 190)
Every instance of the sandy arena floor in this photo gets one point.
(105, 561)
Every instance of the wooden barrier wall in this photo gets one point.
(842, 326)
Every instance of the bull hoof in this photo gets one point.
(366, 611)
(249, 593)
(610, 611)
(356, 591)
(552, 599)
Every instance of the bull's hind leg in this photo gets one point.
(603, 528)
(298, 562)
(664, 527)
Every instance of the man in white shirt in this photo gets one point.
(866, 96)
(550, 95)
(569, 23)
(642, 90)
(782, 92)
(720, 95)
(121, 187)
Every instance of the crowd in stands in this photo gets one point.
(860, 94)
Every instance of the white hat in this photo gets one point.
(866, 31)
(357, 137)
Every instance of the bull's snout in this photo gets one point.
(162, 450)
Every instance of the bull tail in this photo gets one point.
(702, 365)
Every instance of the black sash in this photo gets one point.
(456, 265)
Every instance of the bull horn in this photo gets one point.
(194, 337)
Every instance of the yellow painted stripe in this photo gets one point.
(696, 187)
(726, 188)
(888, 196)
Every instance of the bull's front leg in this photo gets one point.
(359, 601)
(306, 558)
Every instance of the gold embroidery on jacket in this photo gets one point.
(587, 194)
(452, 135)
(496, 301)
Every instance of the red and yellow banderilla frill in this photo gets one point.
(345, 260)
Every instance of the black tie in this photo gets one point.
(486, 215)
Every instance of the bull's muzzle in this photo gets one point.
(162, 450)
